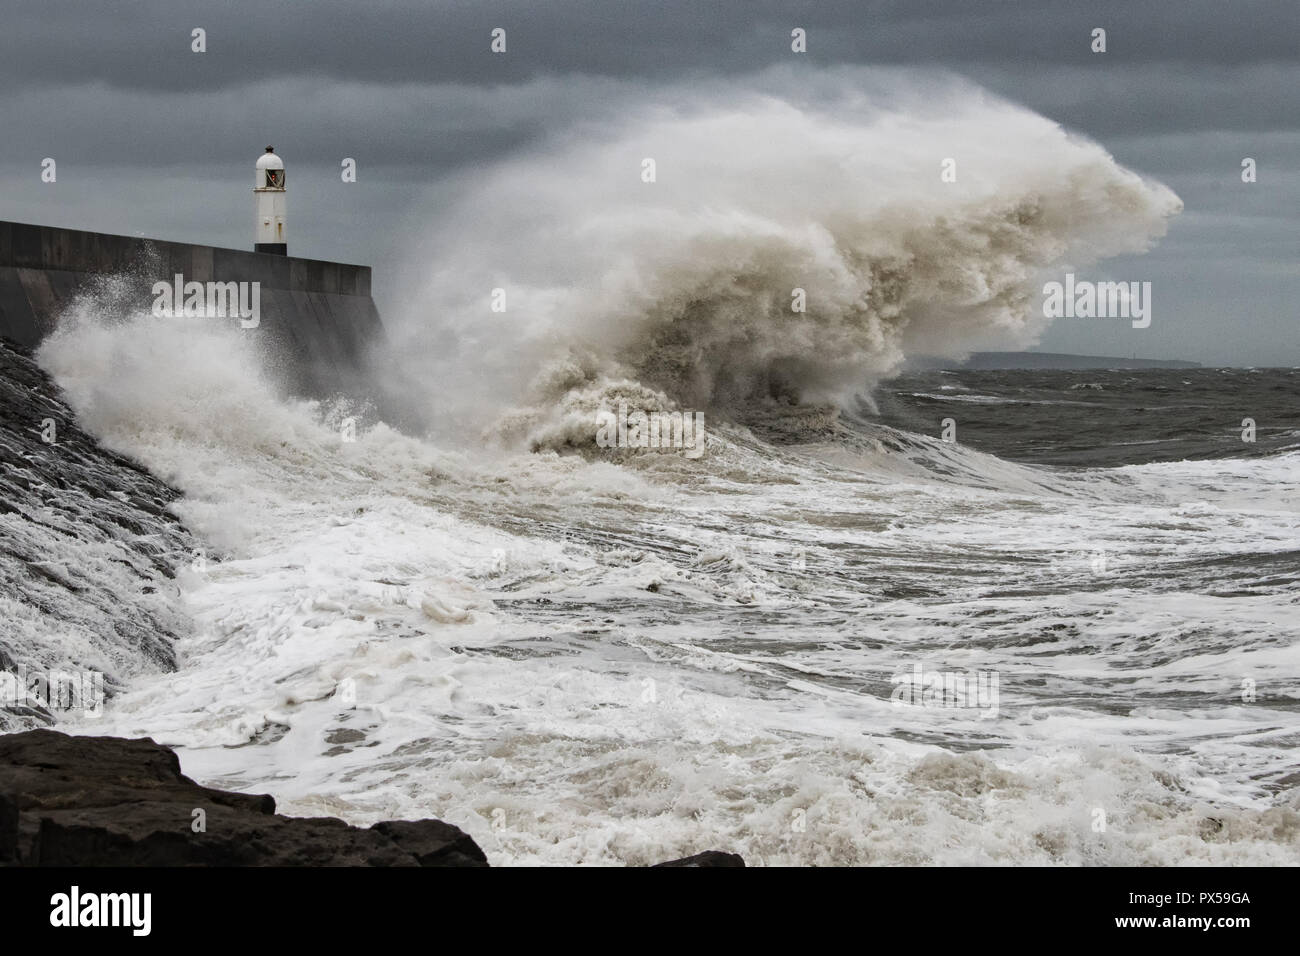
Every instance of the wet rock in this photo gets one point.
(107, 801)
(433, 843)
(707, 858)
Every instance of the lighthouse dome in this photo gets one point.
(269, 160)
(270, 171)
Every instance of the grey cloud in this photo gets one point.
(154, 139)
(145, 44)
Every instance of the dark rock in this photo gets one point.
(106, 801)
(433, 842)
(707, 858)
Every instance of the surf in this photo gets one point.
(797, 244)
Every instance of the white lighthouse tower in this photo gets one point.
(268, 189)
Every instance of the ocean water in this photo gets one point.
(617, 660)
(587, 655)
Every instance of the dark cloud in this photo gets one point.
(144, 44)
(153, 138)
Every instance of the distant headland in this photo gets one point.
(992, 361)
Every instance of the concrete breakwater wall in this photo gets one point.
(317, 319)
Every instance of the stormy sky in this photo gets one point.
(153, 139)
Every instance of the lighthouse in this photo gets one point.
(268, 190)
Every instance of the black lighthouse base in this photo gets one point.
(272, 248)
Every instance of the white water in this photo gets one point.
(588, 661)
(686, 284)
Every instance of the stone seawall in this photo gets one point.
(317, 318)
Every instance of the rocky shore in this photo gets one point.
(89, 549)
(107, 801)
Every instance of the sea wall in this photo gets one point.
(317, 318)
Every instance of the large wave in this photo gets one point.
(502, 617)
(683, 288)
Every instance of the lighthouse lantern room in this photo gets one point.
(268, 190)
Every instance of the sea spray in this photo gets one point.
(792, 245)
